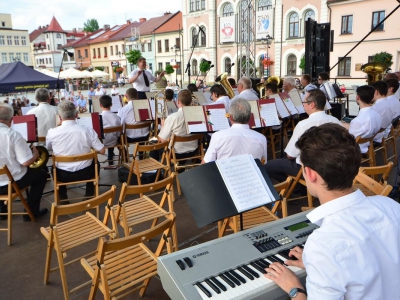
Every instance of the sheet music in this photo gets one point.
(85, 121)
(280, 107)
(25, 109)
(171, 107)
(116, 104)
(22, 128)
(255, 112)
(330, 92)
(327, 105)
(297, 101)
(197, 128)
(245, 184)
(152, 107)
(257, 122)
(218, 119)
(269, 115)
(193, 114)
(140, 104)
(290, 106)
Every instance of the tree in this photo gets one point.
(383, 57)
(90, 25)
(169, 70)
(302, 65)
(133, 56)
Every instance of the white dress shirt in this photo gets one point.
(397, 94)
(310, 87)
(382, 107)
(127, 116)
(366, 124)
(315, 119)
(46, 117)
(114, 92)
(175, 124)
(110, 120)
(246, 94)
(14, 151)
(355, 254)
(236, 140)
(99, 92)
(139, 83)
(395, 105)
(71, 139)
(225, 100)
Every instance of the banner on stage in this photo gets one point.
(264, 23)
(227, 29)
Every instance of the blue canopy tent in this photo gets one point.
(17, 77)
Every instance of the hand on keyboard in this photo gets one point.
(296, 252)
(283, 277)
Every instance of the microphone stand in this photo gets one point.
(58, 77)
(191, 54)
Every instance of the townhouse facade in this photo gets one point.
(14, 43)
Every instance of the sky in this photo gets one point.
(30, 14)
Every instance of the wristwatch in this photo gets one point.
(295, 291)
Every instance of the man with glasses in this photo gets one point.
(245, 90)
(289, 84)
(313, 103)
(218, 96)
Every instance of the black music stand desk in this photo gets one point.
(208, 197)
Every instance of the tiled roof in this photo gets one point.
(126, 31)
(34, 34)
(152, 24)
(85, 40)
(106, 34)
(54, 26)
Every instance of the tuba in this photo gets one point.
(374, 71)
(42, 159)
(262, 87)
(223, 80)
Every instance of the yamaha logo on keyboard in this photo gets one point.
(200, 254)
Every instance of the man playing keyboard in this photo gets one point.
(355, 252)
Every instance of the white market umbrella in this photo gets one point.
(86, 74)
(49, 73)
(98, 73)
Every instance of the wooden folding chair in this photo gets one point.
(391, 141)
(144, 209)
(256, 216)
(63, 236)
(368, 157)
(373, 187)
(381, 147)
(139, 125)
(273, 135)
(138, 167)
(13, 193)
(379, 174)
(123, 266)
(120, 145)
(178, 162)
(75, 158)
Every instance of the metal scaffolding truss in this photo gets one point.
(247, 39)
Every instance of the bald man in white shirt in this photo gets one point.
(245, 90)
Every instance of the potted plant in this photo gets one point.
(133, 56)
(169, 70)
(163, 81)
(385, 58)
(204, 67)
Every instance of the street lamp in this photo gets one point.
(176, 49)
(267, 41)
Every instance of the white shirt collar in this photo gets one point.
(68, 122)
(317, 113)
(237, 125)
(317, 215)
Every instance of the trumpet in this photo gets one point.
(42, 159)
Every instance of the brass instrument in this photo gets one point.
(42, 159)
(195, 101)
(374, 71)
(262, 87)
(160, 96)
(223, 80)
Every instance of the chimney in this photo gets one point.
(74, 30)
(128, 22)
(106, 27)
(141, 20)
(167, 13)
(40, 27)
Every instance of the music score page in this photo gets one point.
(280, 107)
(22, 128)
(218, 119)
(85, 121)
(269, 115)
(244, 182)
(116, 104)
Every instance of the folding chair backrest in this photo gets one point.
(5, 171)
(151, 147)
(60, 210)
(113, 129)
(139, 125)
(384, 171)
(189, 138)
(373, 185)
(75, 158)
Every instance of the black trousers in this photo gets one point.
(141, 95)
(36, 179)
(280, 168)
(83, 174)
(90, 105)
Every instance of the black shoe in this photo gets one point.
(41, 213)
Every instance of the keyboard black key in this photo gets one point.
(213, 286)
(258, 268)
(227, 280)
(280, 260)
(272, 258)
(204, 290)
(240, 278)
(265, 262)
(285, 254)
(230, 276)
(262, 263)
(245, 273)
(250, 271)
(218, 283)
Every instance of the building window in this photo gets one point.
(130, 47)
(159, 48)
(105, 51)
(123, 48)
(160, 66)
(178, 43)
(16, 40)
(203, 37)
(178, 70)
(191, 5)
(197, 5)
(11, 55)
(344, 67)
(47, 36)
(86, 53)
(9, 40)
(203, 4)
(309, 15)
(79, 54)
(149, 47)
(47, 61)
(151, 66)
(194, 67)
(142, 47)
(48, 47)
(94, 53)
(4, 57)
(2, 41)
(58, 36)
(194, 37)
(264, 5)
(3, 24)
(293, 25)
(371, 58)
(98, 53)
(166, 44)
(291, 65)
(347, 24)
(227, 10)
(377, 17)
(23, 40)
(26, 57)
(19, 56)
(227, 67)
(50, 60)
